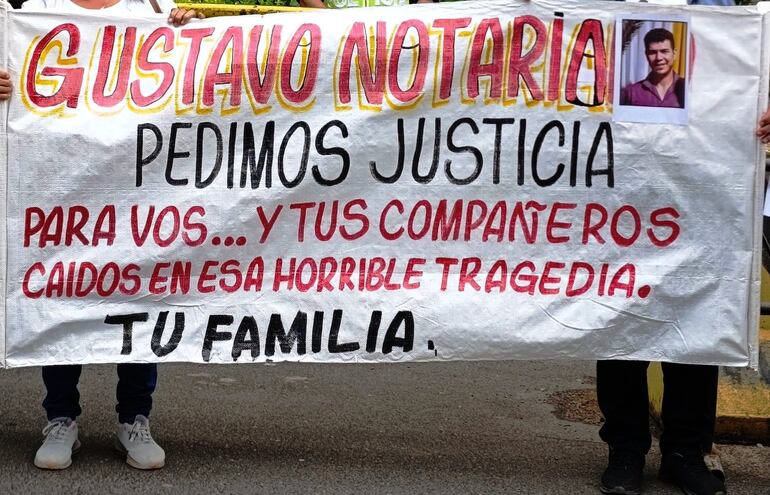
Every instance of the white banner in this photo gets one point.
(429, 182)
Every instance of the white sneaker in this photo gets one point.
(61, 441)
(136, 442)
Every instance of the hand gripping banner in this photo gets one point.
(480, 180)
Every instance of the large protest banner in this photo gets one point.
(480, 180)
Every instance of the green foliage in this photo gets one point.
(278, 3)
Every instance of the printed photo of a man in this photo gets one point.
(662, 87)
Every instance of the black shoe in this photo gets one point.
(623, 475)
(689, 472)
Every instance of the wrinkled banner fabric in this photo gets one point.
(422, 183)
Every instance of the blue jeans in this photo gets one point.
(136, 383)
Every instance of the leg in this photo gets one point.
(62, 399)
(621, 389)
(689, 407)
(689, 415)
(136, 383)
(62, 406)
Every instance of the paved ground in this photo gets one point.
(462, 428)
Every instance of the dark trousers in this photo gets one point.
(689, 406)
(136, 383)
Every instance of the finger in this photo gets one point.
(174, 18)
(201, 15)
(762, 130)
(178, 16)
(765, 119)
(187, 16)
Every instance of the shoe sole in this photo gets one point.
(688, 492)
(619, 490)
(132, 462)
(669, 479)
(59, 467)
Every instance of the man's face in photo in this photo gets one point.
(660, 56)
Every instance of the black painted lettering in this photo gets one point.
(176, 334)
(128, 327)
(297, 332)
(212, 335)
(142, 161)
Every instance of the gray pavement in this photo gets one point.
(481, 428)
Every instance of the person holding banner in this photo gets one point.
(136, 382)
(690, 391)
